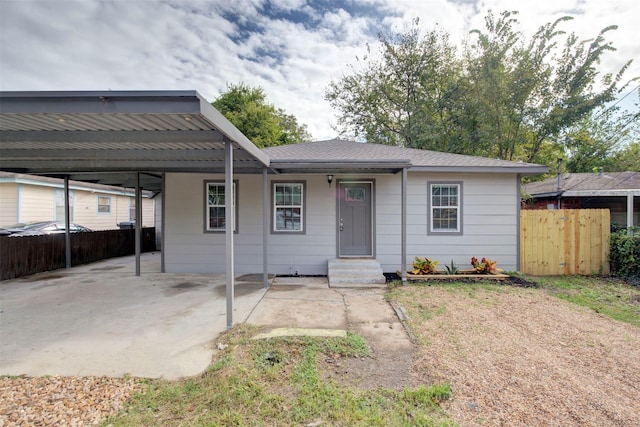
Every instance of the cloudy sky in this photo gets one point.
(291, 48)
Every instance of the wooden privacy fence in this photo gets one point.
(565, 241)
(25, 255)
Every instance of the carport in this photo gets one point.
(129, 139)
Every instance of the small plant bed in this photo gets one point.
(461, 274)
(424, 268)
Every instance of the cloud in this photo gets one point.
(292, 48)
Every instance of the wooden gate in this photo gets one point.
(564, 241)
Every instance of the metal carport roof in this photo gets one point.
(98, 136)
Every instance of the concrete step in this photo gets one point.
(340, 263)
(352, 272)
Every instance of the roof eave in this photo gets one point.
(347, 165)
(601, 193)
(521, 170)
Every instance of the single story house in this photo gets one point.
(30, 198)
(617, 191)
(343, 199)
(293, 209)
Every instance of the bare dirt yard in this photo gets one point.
(517, 356)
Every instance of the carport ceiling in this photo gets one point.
(106, 137)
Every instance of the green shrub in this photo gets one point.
(625, 253)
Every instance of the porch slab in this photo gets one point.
(302, 302)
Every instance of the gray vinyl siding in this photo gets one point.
(188, 249)
(489, 209)
(489, 224)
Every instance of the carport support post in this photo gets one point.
(228, 228)
(265, 229)
(403, 220)
(629, 210)
(67, 223)
(138, 223)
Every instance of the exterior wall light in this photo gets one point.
(329, 179)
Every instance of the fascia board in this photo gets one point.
(601, 193)
(524, 171)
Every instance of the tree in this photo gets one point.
(402, 98)
(503, 97)
(606, 139)
(527, 94)
(261, 122)
(627, 158)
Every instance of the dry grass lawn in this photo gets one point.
(517, 356)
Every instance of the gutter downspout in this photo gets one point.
(629, 211)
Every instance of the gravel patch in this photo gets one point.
(517, 356)
(62, 401)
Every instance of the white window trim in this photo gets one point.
(132, 209)
(430, 208)
(207, 229)
(98, 197)
(58, 202)
(302, 206)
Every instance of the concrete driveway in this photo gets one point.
(100, 319)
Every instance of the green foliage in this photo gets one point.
(264, 124)
(403, 98)
(424, 265)
(452, 268)
(280, 381)
(527, 93)
(484, 266)
(626, 158)
(604, 140)
(612, 298)
(624, 257)
(351, 346)
(503, 96)
(428, 396)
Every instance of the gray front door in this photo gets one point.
(355, 223)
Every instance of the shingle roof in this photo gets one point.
(336, 151)
(586, 182)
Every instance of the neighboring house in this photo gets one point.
(617, 191)
(343, 199)
(28, 198)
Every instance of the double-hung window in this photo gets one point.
(104, 205)
(215, 216)
(59, 204)
(288, 207)
(445, 207)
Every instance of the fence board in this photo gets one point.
(25, 255)
(565, 241)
